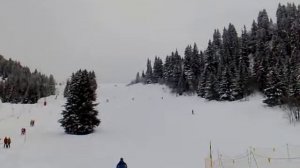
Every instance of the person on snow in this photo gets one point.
(8, 142)
(23, 131)
(32, 123)
(5, 142)
(121, 164)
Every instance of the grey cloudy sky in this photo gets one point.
(113, 37)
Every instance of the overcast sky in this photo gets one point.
(114, 37)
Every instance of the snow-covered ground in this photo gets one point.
(147, 126)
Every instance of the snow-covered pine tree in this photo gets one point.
(197, 66)
(217, 48)
(284, 81)
(177, 71)
(137, 78)
(226, 85)
(262, 54)
(294, 61)
(142, 77)
(157, 70)
(182, 84)
(80, 115)
(252, 38)
(188, 68)
(143, 74)
(93, 83)
(293, 88)
(230, 63)
(202, 83)
(167, 71)
(211, 63)
(274, 91)
(52, 82)
(149, 73)
(66, 90)
(211, 90)
(244, 74)
(218, 52)
(233, 48)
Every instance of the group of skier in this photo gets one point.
(7, 142)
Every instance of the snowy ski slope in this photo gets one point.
(147, 126)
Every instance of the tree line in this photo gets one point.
(265, 58)
(19, 85)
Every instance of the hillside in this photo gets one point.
(145, 124)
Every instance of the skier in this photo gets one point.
(8, 142)
(121, 164)
(5, 142)
(23, 131)
(192, 112)
(32, 123)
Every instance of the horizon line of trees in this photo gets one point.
(265, 58)
(19, 85)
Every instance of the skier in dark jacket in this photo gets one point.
(121, 164)
(8, 142)
(5, 142)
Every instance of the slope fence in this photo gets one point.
(287, 156)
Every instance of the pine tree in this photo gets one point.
(253, 38)
(66, 90)
(137, 78)
(244, 74)
(167, 71)
(143, 74)
(188, 68)
(157, 70)
(211, 89)
(233, 47)
(225, 86)
(177, 73)
(51, 85)
(230, 63)
(182, 85)
(80, 116)
(149, 72)
(262, 54)
(201, 84)
(274, 90)
(197, 65)
(201, 90)
(93, 84)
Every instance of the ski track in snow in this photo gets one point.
(148, 131)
